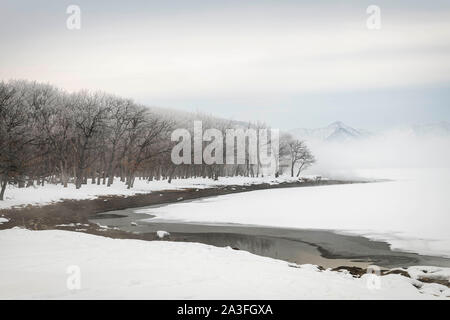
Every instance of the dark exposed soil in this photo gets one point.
(79, 211)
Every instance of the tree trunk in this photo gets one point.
(3, 183)
(172, 170)
(110, 170)
(79, 178)
(299, 170)
(292, 169)
(130, 181)
(64, 176)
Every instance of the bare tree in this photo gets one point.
(119, 119)
(89, 114)
(300, 156)
(16, 123)
(151, 140)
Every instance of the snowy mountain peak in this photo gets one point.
(338, 124)
(336, 131)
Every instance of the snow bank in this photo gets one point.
(68, 265)
(52, 193)
(411, 213)
(436, 273)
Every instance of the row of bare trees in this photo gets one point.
(50, 136)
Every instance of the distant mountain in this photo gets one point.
(432, 129)
(337, 131)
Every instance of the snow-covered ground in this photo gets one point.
(68, 265)
(411, 212)
(39, 195)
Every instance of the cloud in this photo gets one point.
(219, 52)
(230, 58)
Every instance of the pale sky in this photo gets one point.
(289, 63)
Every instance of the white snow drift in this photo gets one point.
(69, 265)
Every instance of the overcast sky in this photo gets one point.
(289, 63)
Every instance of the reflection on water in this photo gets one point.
(278, 248)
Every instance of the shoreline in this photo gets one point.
(67, 211)
(75, 215)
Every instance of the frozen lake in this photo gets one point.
(302, 246)
(411, 212)
(408, 215)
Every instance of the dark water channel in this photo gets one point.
(320, 247)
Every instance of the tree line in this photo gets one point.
(48, 135)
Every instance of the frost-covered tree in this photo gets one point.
(50, 136)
